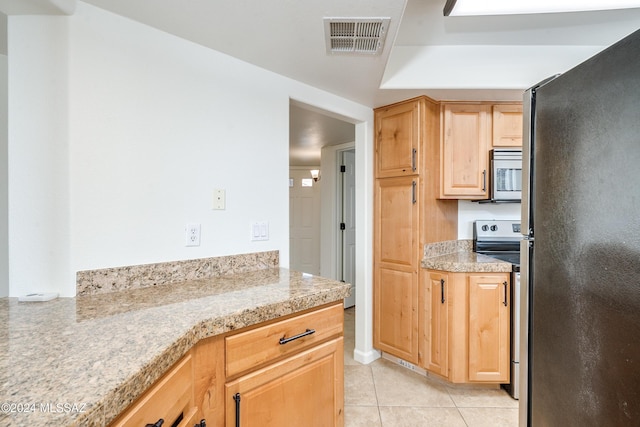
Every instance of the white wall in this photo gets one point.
(158, 124)
(4, 183)
(155, 123)
(471, 211)
(38, 155)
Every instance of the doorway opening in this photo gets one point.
(319, 208)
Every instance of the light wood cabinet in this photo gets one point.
(396, 274)
(303, 390)
(469, 132)
(507, 125)
(287, 372)
(397, 142)
(435, 323)
(258, 346)
(407, 214)
(489, 327)
(476, 326)
(466, 136)
(171, 399)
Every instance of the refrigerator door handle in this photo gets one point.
(526, 249)
(527, 147)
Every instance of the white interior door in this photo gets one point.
(304, 221)
(349, 221)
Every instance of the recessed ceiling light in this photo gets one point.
(511, 7)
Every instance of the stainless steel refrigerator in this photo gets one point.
(581, 254)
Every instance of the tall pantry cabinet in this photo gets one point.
(407, 215)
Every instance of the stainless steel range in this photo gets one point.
(501, 239)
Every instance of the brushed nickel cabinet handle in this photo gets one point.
(413, 193)
(505, 293)
(413, 159)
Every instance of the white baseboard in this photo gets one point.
(366, 357)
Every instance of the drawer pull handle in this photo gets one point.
(284, 340)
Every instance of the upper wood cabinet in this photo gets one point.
(507, 125)
(397, 141)
(466, 135)
(469, 132)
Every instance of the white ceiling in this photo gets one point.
(485, 57)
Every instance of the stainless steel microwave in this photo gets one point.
(506, 174)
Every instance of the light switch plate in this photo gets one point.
(260, 230)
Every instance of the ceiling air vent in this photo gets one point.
(355, 35)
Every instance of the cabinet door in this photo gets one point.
(396, 259)
(489, 325)
(507, 125)
(304, 390)
(170, 398)
(436, 321)
(465, 149)
(397, 140)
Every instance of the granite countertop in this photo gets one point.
(81, 361)
(466, 262)
(457, 256)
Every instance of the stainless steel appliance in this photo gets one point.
(581, 257)
(506, 174)
(501, 239)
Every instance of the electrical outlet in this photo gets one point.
(192, 235)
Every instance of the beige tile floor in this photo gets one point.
(383, 394)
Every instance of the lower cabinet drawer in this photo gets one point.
(259, 346)
(171, 398)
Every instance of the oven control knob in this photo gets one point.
(494, 227)
(485, 227)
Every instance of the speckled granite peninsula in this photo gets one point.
(457, 256)
(81, 361)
